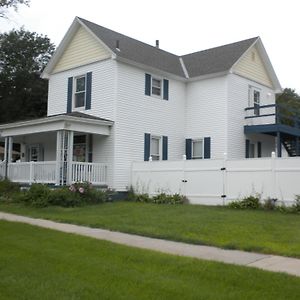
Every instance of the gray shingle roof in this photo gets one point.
(137, 51)
(215, 60)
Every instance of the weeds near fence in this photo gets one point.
(255, 202)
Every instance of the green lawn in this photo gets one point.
(39, 264)
(260, 231)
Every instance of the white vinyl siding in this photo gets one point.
(103, 89)
(252, 67)
(83, 49)
(137, 114)
(238, 100)
(206, 111)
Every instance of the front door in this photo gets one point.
(34, 153)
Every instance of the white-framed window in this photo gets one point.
(156, 86)
(251, 150)
(254, 99)
(155, 147)
(79, 91)
(197, 148)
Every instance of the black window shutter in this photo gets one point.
(70, 94)
(88, 99)
(166, 89)
(147, 146)
(188, 148)
(147, 84)
(247, 154)
(258, 149)
(165, 148)
(207, 147)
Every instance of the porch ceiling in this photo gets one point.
(272, 129)
(86, 124)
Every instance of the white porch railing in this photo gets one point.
(51, 172)
(30, 172)
(95, 173)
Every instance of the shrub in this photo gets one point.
(37, 195)
(296, 206)
(89, 195)
(142, 198)
(8, 188)
(250, 202)
(164, 198)
(270, 204)
(63, 197)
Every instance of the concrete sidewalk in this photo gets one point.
(266, 262)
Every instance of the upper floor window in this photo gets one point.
(79, 95)
(155, 86)
(254, 99)
(80, 91)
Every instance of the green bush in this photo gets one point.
(8, 188)
(270, 204)
(250, 202)
(37, 195)
(164, 198)
(296, 206)
(63, 197)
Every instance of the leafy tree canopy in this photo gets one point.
(23, 56)
(5, 4)
(289, 106)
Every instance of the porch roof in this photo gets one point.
(74, 121)
(272, 129)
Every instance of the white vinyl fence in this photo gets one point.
(219, 181)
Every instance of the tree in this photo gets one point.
(5, 4)
(23, 56)
(289, 106)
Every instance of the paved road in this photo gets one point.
(266, 262)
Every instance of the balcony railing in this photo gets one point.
(271, 114)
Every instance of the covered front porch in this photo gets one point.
(58, 150)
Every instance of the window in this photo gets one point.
(79, 148)
(197, 149)
(156, 86)
(80, 89)
(155, 148)
(254, 100)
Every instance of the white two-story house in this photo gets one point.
(114, 100)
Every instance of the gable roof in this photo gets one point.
(211, 61)
(136, 51)
(216, 60)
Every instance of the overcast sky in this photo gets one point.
(181, 26)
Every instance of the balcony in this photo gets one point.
(278, 121)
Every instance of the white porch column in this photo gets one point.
(58, 156)
(70, 155)
(8, 148)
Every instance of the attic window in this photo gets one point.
(253, 56)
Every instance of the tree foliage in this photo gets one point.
(289, 106)
(5, 4)
(23, 56)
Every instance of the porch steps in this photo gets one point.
(290, 145)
